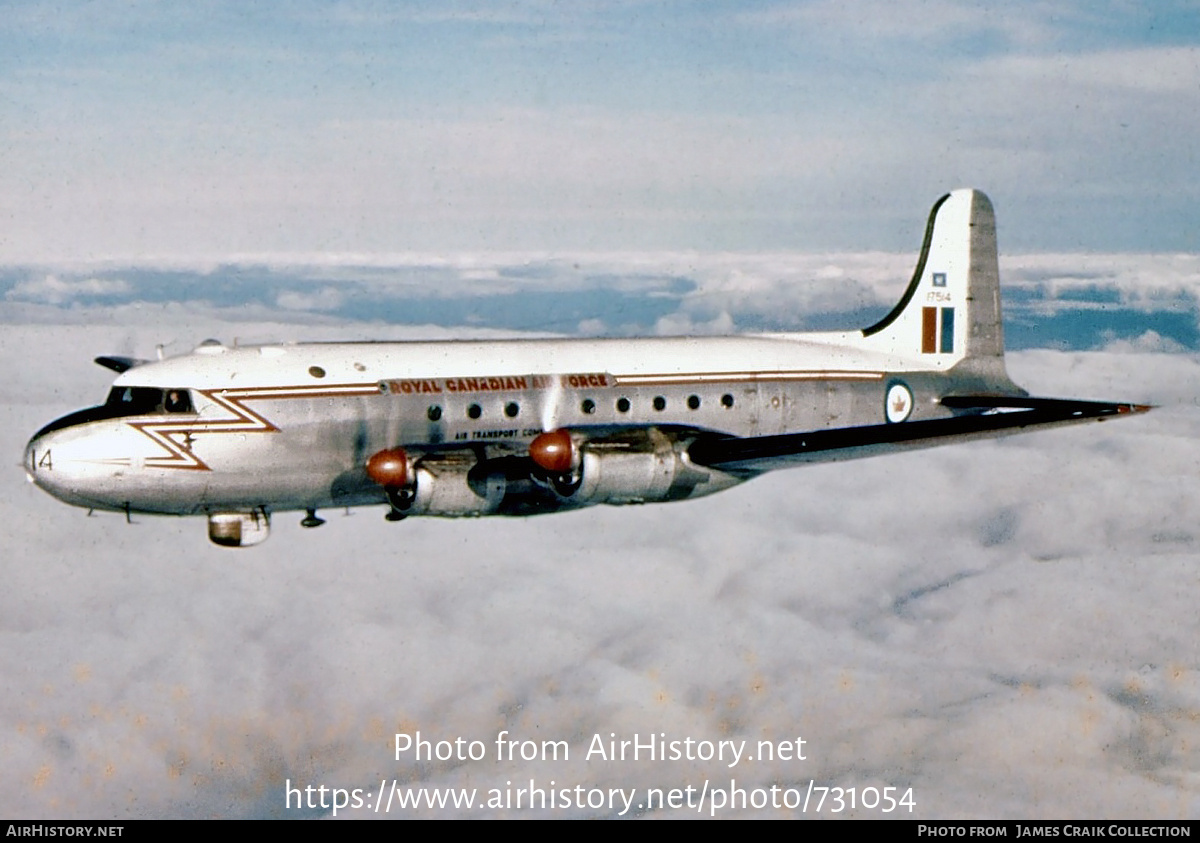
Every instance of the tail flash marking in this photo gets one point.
(934, 341)
(947, 346)
(928, 330)
(950, 312)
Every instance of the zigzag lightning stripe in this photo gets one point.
(244, 419)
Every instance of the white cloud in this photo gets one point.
(1147, 341)
(1140, 279)
(930, 22)
(680, 324)
(326, 298)
(1144, 71)
(50, 289)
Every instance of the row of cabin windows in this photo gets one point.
(512, 409)
(135, 400)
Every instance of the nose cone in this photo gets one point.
(71, 461)
(39, 465)
(30, 466)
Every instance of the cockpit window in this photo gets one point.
(124, 401)
(134, 400)
(177, 401)
(142, 400)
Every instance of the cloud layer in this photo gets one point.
(1004, 627)
(1066, 301)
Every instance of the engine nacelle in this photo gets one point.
(239, 529)
(645, 467)
(453, 485)
(564, 470)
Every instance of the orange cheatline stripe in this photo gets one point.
(665, 379)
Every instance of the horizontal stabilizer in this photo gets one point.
(1090, 409)
(998, 416)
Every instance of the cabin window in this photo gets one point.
(693, 402)
(623, 405)
(726, 400)
(588, 406)
(316, 371)
(660, 403)
(474, 411)
(434, 413)
(511, 409)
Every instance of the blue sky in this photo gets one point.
(137, 129)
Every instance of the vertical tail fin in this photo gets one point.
(950, 312)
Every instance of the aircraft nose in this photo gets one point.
(46, 468)
(80, 462)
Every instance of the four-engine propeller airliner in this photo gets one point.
(520, 427)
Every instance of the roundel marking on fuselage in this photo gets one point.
(898, 404)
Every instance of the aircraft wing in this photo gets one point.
(986, 417)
